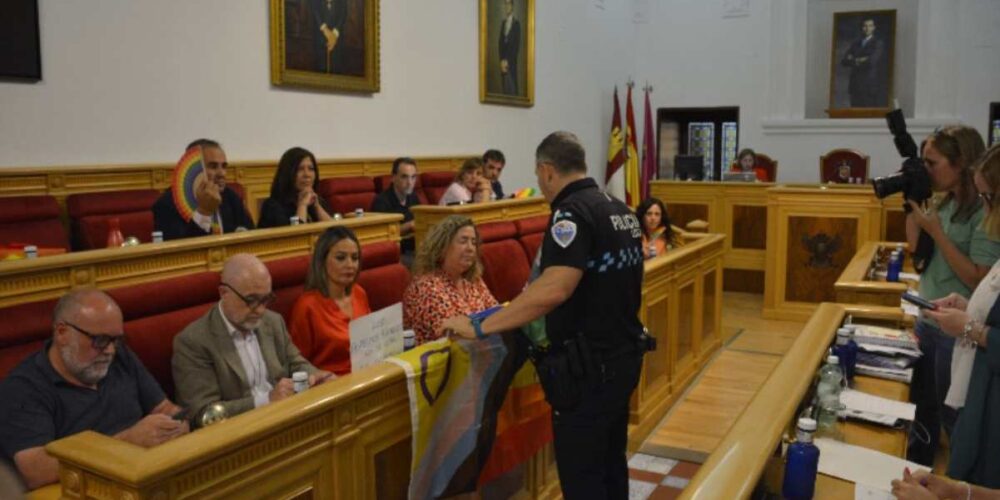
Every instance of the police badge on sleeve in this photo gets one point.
(564, 232)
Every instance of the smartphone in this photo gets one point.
(919, 301)
(181, 415)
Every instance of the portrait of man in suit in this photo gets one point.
(506, 49)
(862, 55)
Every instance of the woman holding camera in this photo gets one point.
(961, 257)
(975, 322)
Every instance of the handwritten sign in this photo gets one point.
(376, 336)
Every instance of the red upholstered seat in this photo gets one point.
(287, 279)
(505, 265)
(90, 215)
(344, 194)
(22, 332)
(530, 232)
(840, 165)
(435, 184)
(383, 277)
(32, 220)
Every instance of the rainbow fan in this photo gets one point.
(186, 174)
(527, 192)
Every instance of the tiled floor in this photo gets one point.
(657, 478)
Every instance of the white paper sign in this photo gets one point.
(376, 336)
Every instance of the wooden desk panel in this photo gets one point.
(50, 277)
(426, 216)
(854, 286)
(61, 181)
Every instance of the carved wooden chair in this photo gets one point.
(841, 166)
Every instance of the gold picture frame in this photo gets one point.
(508, 83)
(862, 87)
(325, 44)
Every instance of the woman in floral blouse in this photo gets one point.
(448, 278)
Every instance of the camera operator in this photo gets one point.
(962, 256)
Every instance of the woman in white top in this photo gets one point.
(470, 186)
(975, 368)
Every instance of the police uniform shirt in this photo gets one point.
(599, 235)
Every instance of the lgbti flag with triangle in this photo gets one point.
(614, 175)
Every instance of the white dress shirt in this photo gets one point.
(248, 348)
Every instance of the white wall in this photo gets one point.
(135, 80)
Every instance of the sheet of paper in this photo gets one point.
(376, 336)
(864, 492)
(861, 465)
(857, 400)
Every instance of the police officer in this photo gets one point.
(590, 293)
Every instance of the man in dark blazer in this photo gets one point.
(220, 210)
(329, 17)
(510, 45)
(239, 353)
(865, 58)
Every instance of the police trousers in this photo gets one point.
(590, 439)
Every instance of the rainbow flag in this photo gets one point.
(457, 391)
(186, 174)
(527, 192)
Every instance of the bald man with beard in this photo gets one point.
(239, 353)
(84, 378)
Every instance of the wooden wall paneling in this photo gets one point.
(853, 286)
(426, 216)
(743, 280)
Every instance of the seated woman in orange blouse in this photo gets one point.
(447, 278)
(746, 161)
(657, 235)
(321, 316)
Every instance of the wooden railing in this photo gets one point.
(858, 285)
(49, 277)
(737, 465)
(255, 176)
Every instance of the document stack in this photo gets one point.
(886, 353)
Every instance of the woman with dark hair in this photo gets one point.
(293, 192)
(320, 318)
(448, 278)
(963, 254)
(746, 161)
(657, 235)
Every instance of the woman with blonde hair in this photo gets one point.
(961, 257)
(469, 187)
(447, 278)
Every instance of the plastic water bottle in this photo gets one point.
(902, 255)
(652, 250)
(409, 340)
(300, 381)
(293, 220)
(157, 236)
(30, 252)
(831, 378)
(892, 271)
(846, 350)
(802, 463)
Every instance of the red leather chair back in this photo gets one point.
(344, 194)
(435, 184)
(32, 220)
(840, 165)
(530, 232)
(90, 215)
(506, 267)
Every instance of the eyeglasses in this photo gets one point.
(988, 198)
(99, 342)
(253, 301)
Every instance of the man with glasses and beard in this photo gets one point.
(238, 354)
(84, 378)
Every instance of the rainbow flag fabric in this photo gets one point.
(457, 391)
(186, 174)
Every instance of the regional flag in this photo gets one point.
(614, 176)
(633, 195)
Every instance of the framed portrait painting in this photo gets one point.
(861, 63)
(507, 52)
(325, 44)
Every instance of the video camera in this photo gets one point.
(912, 178)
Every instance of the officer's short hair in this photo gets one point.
(563, 150)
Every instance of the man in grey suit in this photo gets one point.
(239, 353)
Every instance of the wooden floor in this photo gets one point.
(752, 347)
